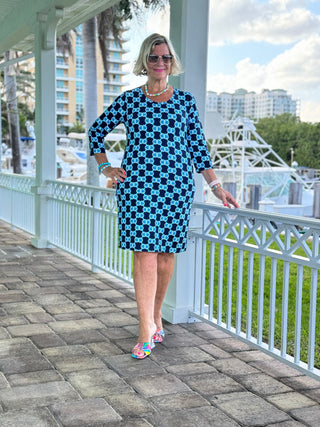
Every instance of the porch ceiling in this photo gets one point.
(18, 19)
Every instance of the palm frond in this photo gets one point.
(108, 23)
(64, 45)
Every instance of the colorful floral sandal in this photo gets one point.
(158, 335)
(142, 350)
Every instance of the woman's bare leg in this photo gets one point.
(145, 284)
(165, 268)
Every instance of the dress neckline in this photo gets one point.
(158, 102)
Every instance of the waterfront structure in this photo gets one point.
(268, 103)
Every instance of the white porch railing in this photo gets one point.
(17, 201)
(84, 223)
(256, 274)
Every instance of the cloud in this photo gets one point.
(275, 21)
(310, 111)
(295, 70)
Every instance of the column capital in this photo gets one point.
(49, 22)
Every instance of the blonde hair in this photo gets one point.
(141, 66)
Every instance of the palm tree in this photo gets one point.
(109, 22)
(89, 30)
(13, 115)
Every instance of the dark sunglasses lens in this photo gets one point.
(155, 58)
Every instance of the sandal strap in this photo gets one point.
(143, 346)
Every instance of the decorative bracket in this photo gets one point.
(49, 22)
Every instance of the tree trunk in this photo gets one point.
(90, 90)
(13, 115)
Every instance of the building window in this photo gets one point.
(79, 63)
(79, 98)
(60, 84)
(79, 86)
(60, 96)
(60, 73)
(60, 60)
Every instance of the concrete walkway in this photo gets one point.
(65, 341)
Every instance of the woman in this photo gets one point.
(155, 185)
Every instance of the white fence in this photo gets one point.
(83, 221)
(256, 274)
(17, 201)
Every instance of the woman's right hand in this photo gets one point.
(115, 174)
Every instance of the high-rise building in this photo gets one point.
(69, 75)
(268, 103)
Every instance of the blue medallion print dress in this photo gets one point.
(164, 141)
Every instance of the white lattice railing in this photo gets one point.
(83, 221)
(256, 276)
(17, 201)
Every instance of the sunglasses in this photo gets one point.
(155, 58)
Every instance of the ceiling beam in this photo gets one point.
(18, 27)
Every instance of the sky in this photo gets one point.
(255, 45)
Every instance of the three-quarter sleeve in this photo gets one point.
(196, 140)
(104, 124)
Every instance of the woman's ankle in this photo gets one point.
(158, 322)
(146, 332)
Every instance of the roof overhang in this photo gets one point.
(19, 17)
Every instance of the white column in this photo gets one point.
(45, 126)
(189, 35)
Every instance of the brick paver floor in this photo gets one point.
(65, 340)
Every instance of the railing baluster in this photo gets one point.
(220, 285)
(297, 334)
(249, 295)
(211, 281)
(261, 299)
(272, 308)
(229, 290)
(285, 298)
(115, 247)
(111, 244)
(203, 279)
(312, 318)
(129, 253)
(239, 281)
(261, 287)
(107, 242)
(197, 274)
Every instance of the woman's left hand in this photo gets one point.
(226, 198)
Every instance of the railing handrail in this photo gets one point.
(290, 219)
